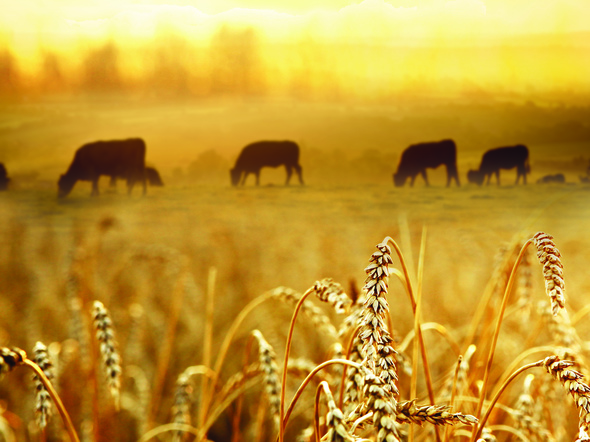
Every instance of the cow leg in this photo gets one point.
(498, 176)
(144, 180)
(244, 176)
(299, 173)
(520, 171)
(289, 173)
(425, 177)
(412, 180)
(257, 173)
(113, 182)
(452, 173)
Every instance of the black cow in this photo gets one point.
(121, 158)
(151, 174)
(261, 154)
(557, 178)
(418, 157)
(4, 180)
(501, 158)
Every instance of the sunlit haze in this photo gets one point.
(365, 49)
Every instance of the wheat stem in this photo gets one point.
(286, 360)
(207, 339)
(453, 393)
(229, 336)
(478, 428)
(306, 381)
(55, 397)
(413, 302)
(497, 333)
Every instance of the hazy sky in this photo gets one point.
(514, 15)
(72, 29)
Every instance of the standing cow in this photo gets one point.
(501, 158)
(418, 157)
(4, 180)
(121, 158)
(261, 154)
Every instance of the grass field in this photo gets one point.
(152, 260)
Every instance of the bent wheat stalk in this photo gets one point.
(549, 256)
(286, 361)
(306, 381)
(11, 358)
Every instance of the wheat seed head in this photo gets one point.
(105, 335)
(43, 404)
(331, 292)
(269, 366)
(550, 258)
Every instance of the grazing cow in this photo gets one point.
(151, 174)
(4, 180)
(121, 158)
(418, 157)
(260, 154)
(557, 178)
(501, 158)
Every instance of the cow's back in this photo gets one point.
(432, 155)
(268, 153)
(115, 157)
(504, 158)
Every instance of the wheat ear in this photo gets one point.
(337, 431)
(268, 363)
(105, 334)
(10, 358)
(43, 404)
(550, 258)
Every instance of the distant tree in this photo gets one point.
(235, 61)
(9, 74)
(169, 73)
(51, 76)
(100, 71)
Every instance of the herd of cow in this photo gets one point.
(125, 159)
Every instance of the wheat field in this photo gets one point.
(169, 316)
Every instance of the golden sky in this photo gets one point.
(379, 19)
(68, 28)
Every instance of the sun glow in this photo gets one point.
(371, 48)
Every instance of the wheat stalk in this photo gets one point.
(10, 358)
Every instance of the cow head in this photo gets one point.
(475, 177)
(65, 185)
(235, 175)
(399, 179)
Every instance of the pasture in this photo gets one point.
(176, 267)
